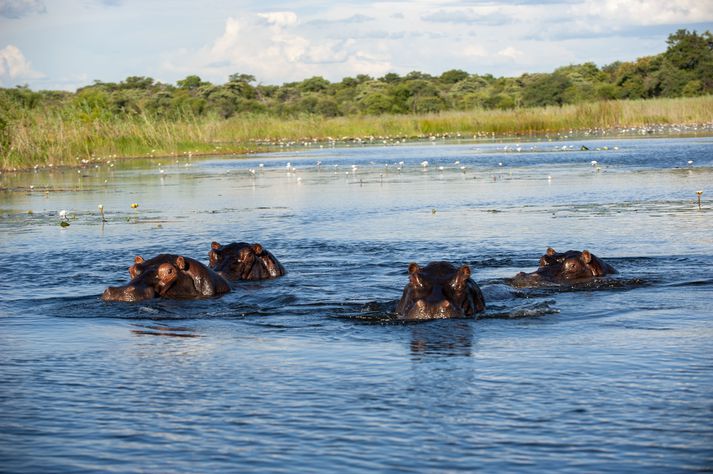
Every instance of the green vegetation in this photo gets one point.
(140, 116)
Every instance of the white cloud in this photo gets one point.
(270, 46)
(112, 39)
(279, 19)
(476, 16)
(511, 53)
(475, 50)
(646, 12)
(19, 8)
(14, 66)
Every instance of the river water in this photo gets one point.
(309, 372)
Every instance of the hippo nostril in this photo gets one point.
(444, 306)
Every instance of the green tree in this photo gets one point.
(453, 76)
(191, 82)
(546, 89)
(314, 84)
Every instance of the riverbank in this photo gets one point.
(47, 138)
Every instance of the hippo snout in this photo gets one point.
(423, 309)
(127, 293)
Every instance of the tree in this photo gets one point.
(137, 82)
(191, 82)
(239, 84)
(453, 76)
(546, 89)
(686, 49)
(390, 78)
(314, 84)
(238, 77)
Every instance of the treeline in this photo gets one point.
(139, 116)
(685, 69)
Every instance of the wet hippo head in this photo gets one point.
(243, 261)
(571, 266)
(440, 290)
(168, 276)
(151, 281)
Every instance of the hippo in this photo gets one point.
(243, 261)
(567, 267)
(168, 276)
(440, 290)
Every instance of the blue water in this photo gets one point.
(309, 372)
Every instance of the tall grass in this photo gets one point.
(49, 137)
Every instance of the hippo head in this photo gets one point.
(147, 282)
(439, 290)
(571, 266)
(243, 261)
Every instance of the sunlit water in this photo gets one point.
(309, 372)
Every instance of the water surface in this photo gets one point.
(309, 372)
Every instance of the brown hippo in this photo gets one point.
(243, 261)
(440, 290)
(168, 276)
(567, 267)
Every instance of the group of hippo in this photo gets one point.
(438, 290)
(178, 277)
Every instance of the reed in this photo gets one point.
(44, 137)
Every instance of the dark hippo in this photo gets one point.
(243, 261)
(168, 276)
(440, 290)
(567, 267)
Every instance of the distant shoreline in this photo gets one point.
(52, 142)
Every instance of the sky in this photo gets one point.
(66, 44)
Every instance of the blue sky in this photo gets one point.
(65, 44)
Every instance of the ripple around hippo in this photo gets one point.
(168, 276)
(438, 291)
(560, 268)
(243, 261)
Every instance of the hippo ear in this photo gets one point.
(414, 277)
(461, 278)
(550, 251)
(214, 245)
(181, 263)
(257, 248)
(138, 259)
(586, 257)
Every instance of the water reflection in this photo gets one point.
(160, 330)
(445, 338)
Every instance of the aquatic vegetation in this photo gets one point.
(63, 222)
(54, 137)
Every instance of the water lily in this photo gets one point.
(63, 218)
(134, 205)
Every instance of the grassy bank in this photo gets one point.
(44, 137)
